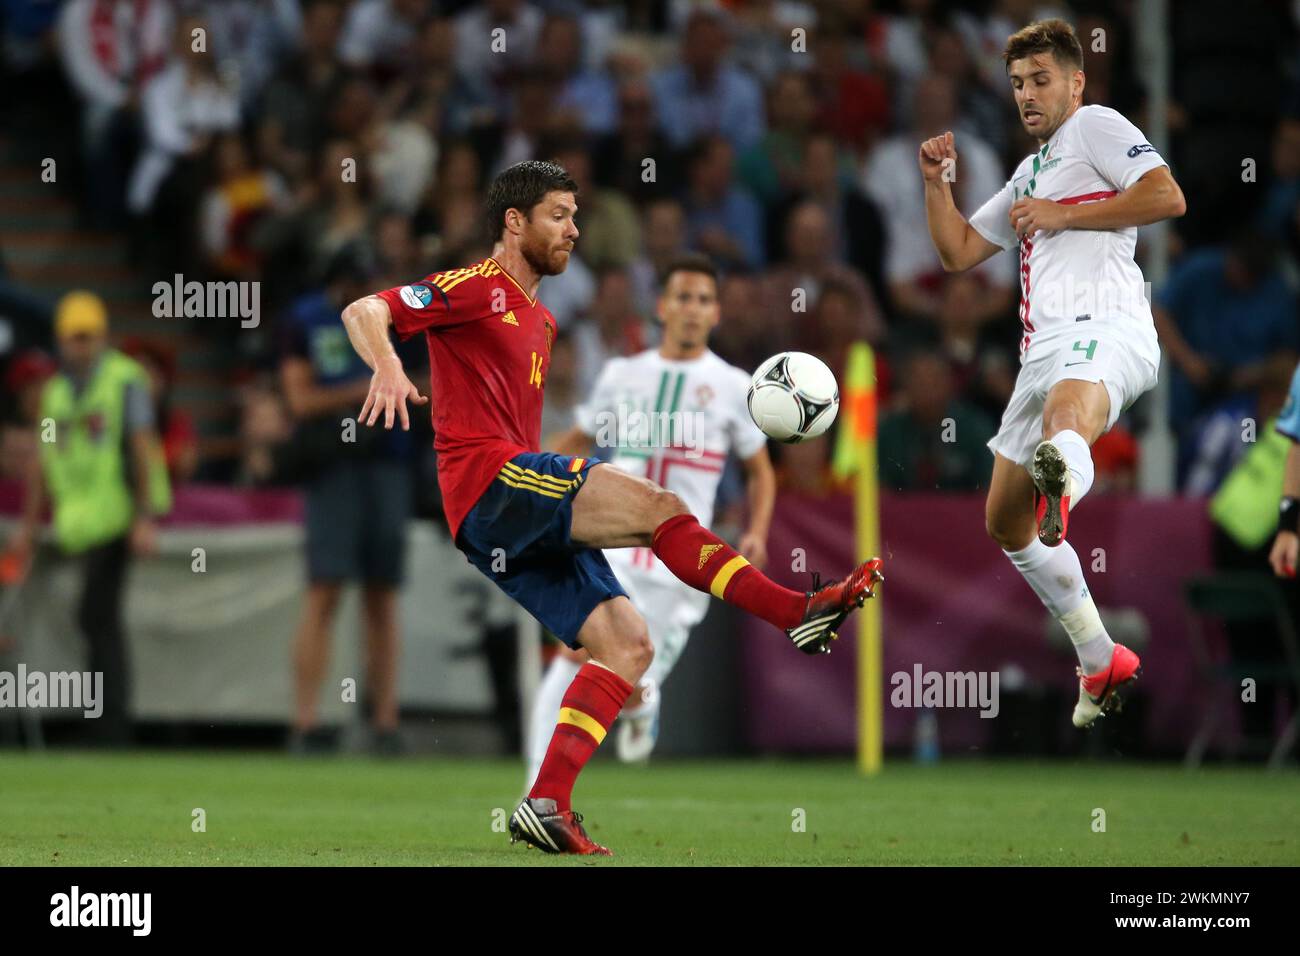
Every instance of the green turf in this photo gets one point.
(263, 809)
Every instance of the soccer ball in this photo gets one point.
(793, 396)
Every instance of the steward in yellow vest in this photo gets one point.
(101, 469)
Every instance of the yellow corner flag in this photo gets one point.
(855, 457)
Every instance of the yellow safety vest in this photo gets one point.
(86, 462)
(1245, 506)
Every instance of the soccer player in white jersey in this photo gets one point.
(1088, 345)
(671, 414)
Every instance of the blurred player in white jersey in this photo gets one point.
(671, 414)
(1088, 345)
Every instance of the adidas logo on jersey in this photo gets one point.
(706, 552)
(509, 318)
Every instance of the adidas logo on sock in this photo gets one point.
(706, 552)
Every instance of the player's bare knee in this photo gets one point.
(635, 645)
(644, 649)
(664, 505)
(1014, 539)
(1009, 535)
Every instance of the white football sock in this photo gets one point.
(1056, 576)
(546, 711)
(1078, 458)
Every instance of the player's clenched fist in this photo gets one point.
(1030, 215)
(934, 152)
(389, 391)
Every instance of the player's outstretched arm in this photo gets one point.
(1154, 197)
(367, 321)
(959, 246)
(1286, 546)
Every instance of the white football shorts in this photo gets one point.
(1099, 354)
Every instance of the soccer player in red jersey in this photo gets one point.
(534, 522)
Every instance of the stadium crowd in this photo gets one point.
(326, 148)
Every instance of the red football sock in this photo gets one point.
(707, 563)
(590, 705)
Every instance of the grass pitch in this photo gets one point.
(137, 809)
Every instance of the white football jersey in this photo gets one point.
(674, 422)
(1070, 277)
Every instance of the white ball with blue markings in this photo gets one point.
(793, 396)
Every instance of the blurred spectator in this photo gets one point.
(833, 324)
(1227, 432)
(482, 55)
(296, 100)
(763, 31)
(1225, 317)
(983, 366)
(986, 34)
(182, 108)
(1278, 217)
(935, 441)
(449, 218)
(804, 468)
(358, 500)
(611, 230)
(240, 196)
(398, 258)
(354, 110)
(248, 37)
(24, 379)
(29, 25)
(703, 94)
(827, 178)
(326, 215)
(891, 178)
(111, 50)
(722, 219)
(264, 428)
(613, 329)
(585, 92)
(900, 40)
(382, 33)
(853, 104)
(180, 441)
(531, 117)
(663, 238)
(771, 168)
(794, 285)
(464, 103)
(987, 110)
(620, 157)
(405, 154)
(1115, 459)
(743, 336)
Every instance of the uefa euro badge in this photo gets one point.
(550, 336)
(417, 296)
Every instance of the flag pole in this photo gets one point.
(855, 455)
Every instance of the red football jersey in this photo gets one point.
(489, 349)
